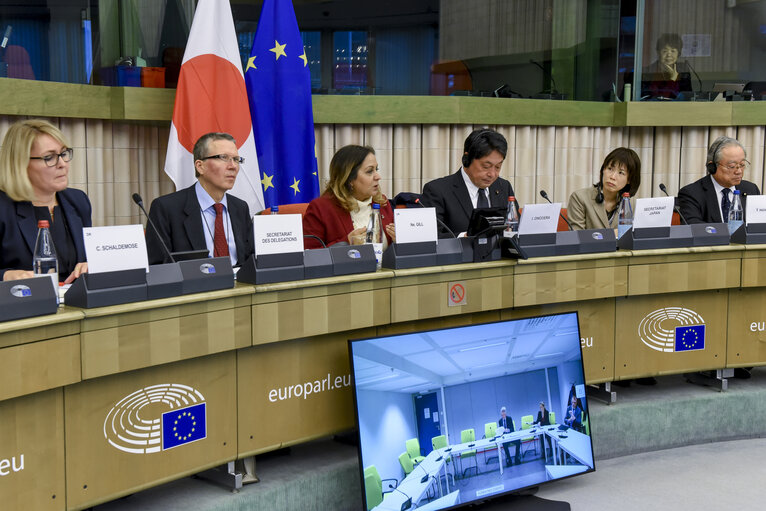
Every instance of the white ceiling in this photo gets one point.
(417, 362)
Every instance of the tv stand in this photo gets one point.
(523, 503)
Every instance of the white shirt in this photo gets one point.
(207, 212)
(473, 190)
(718, 194)
(361, 217)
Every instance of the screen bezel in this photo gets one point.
(492, 497)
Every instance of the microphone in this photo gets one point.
(554, 90)
(426, 475)
(695, 74)
(407, 503)
(316, 238)
(675, 207)
(140, 203)
(6, 36)
(442, 224)
(545, 196)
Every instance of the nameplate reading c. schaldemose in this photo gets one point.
(115, 248)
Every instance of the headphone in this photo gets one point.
(473, 138)
(711, 164)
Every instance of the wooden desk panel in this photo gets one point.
(189, 331)
(98, 471)
(37, 366)
(680, 270)
(746, 345)
(32, 452)
(754, 266)
(67, 321)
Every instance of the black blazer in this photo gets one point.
(18, 228)
(543, 419)
(450, 197)
(177, 217)
(699, 203)
(508, 419)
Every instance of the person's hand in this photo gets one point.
(391, 231)
(671, 71)
(78, 270)
(17, 275)
(355, 234)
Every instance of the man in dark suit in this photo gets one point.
(505, 425)
(708, 199)
(476, 185)
(204, 216)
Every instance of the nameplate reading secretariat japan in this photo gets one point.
(115, 248)
(539, 218)
(278, 234)
(755, 209)
(653, 212)
(415, 224)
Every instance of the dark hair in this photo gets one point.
(200, 146)
(344, 168)
(481, 143)
(632, 162)
(671, 40)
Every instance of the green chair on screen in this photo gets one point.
(585, 428)
(413, 449)
(490, 430)
(406, 462)
(385, 485)
(373, 494)
(440, 442)
(529, 441)
(552, 417)
(468, 435)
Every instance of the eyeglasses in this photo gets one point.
(226, 158)
(51, 160)
(743, 165)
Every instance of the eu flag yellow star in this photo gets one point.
(279, 49)
(304, 58)
(266, 181)
(250, 63)
(295, 184)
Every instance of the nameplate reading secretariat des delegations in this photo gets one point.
(653, 212)
(539, 218)
(278, 234)
(115, 248)
(755, 209)
(415, 224)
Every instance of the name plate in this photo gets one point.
(115, 248)
(415, 224)
(540, 218)
(278, 234)
(653, 212)
(755, 209)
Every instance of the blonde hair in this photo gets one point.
(344, 168)
(14, 156)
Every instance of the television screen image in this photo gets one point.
(458, 415)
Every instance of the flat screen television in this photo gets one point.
(450, 417)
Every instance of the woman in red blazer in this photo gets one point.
(344, 208)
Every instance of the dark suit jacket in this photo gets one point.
(326, 219)
(177, 217)
(18, 228)
(508, 419)
(543, 420)
(450, 197)
(699, 204)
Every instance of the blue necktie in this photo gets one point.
(725, 204)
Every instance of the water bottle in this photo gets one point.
(274, 210)
(511, 219)
(44, 260)
(375, 233)
(625, 221)
(736, 216)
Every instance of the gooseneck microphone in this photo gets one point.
(554, 89)
(675, 207)
(140, 203)
(407, 503)
(417, 201)
(695, 74)
(561, 215)
(316, 238)
(426, 475)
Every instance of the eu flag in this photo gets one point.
(279, 90)
(690, 338)
(184, 425)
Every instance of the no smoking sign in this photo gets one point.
(456, 294)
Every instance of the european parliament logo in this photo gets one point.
(673, 329)
(157, 418)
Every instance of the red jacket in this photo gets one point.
(327, 219)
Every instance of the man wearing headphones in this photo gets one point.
(476, 185)
(708, 199)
